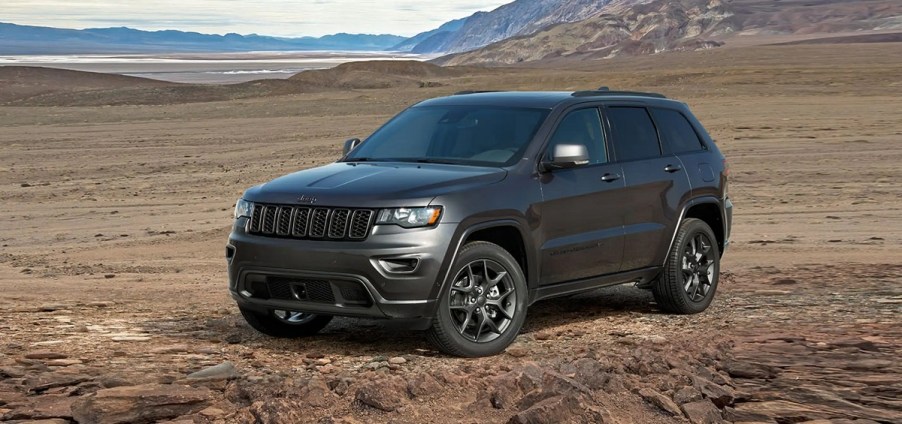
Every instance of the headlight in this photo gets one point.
(243, 208)
(410, 217)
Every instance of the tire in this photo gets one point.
(687, 286)
(285, 324)
(479, 316)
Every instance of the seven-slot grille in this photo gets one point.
(305, 222)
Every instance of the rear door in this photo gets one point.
(655, 186)
(581, 218)
(679, 137)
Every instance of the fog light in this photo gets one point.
(399, 265)
(245, 293)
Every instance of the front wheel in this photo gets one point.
(483, 308)
(285, 324)
(690, 276)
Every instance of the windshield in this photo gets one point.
(467, 135)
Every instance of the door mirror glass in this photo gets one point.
(567, 156)
(350, 145)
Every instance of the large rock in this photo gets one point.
(721, 396)
(223, 371)
(509, 387)
(140, 404)
(48, 381)
(662, 402)
(275, 411)
(742, 369)
(590, 372)
(568, 408)
(783, 411)
(423, 384)
(317, 393)
(387, 394)
(42, 407)
(702, 412)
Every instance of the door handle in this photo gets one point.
(610, 177)
(672, 168)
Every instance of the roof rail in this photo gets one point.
(461, 93)
(607, 92)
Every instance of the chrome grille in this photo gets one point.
(304, 222)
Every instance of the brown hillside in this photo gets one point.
(23, 82)
(20, 86)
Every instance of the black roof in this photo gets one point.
(538, 99)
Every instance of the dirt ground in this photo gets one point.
(113, 275)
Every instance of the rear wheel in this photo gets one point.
(285, 324)
(692, 271)
(483, 308)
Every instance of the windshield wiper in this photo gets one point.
(429, 160)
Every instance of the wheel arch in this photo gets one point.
(510, 234)
(709, 210)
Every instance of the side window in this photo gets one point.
(581, 126)
(633, 133)
(676, 131)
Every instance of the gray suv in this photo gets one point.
(462, 211)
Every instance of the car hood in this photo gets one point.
(350, 184)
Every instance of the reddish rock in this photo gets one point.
(140, 404)
(589, 372)
(387, 394)
(48, 381)
(42, 407)
(423, 384)
(558, 409)
(719, 395)
(43, 354)
(317, 393)
(663, 403)
(741, 369)
(702, 412)
(687, 394)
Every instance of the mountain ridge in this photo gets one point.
(632, 27)
(27, 39)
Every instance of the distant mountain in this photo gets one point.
(521, 17)
(409, 44)
(22, 39)
(633, 27)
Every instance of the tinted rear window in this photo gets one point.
(633, 133)
(676, 131)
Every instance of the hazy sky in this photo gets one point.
(265, 17)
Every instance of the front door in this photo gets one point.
(581, 219)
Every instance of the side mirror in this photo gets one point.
(350, 145)
(566, 156)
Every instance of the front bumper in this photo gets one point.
(343, 278)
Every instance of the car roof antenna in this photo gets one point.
(603, 88)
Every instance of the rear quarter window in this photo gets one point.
(677, 134)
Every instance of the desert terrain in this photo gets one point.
(118, 195)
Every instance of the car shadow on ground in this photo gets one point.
(363, 337)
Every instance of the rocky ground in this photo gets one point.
(114, 306)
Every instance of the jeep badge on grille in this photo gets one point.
(307, 199)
